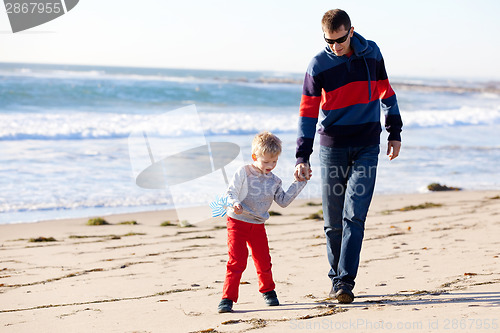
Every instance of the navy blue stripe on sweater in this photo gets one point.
(304, 149)
(393, 125)
(351, 135)
(352, 115)
(391, 110)
(307, 127)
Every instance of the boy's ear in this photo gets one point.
(254, 157)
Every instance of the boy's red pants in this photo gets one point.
(240, 233)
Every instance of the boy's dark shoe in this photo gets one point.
(342, 293)
(271, 298)
(226, 305)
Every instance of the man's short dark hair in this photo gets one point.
(334, 19)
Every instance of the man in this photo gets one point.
(346, 84)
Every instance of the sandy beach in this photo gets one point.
(430, 263)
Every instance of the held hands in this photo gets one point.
(393, 148)
(302, 172)
(238, 209)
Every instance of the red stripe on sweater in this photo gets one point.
(384, 89)
(355, 93)
(309, 106)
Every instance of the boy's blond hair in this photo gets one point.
(266, 143)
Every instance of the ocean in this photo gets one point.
(66, 147)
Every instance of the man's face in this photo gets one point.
(343, 48)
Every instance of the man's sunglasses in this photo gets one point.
(338, 40)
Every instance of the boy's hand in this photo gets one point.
(302, 172)
(238, 209)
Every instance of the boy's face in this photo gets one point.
(265, 163)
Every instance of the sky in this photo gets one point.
(438, 38)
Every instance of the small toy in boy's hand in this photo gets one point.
(219, 206)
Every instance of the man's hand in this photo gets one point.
(238, 209)
(393, 148)
(302, 172)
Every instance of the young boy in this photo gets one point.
(251, 192)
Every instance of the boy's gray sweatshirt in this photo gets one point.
(256, 191)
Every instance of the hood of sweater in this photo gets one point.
(360, 45)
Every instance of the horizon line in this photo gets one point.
(395, 76)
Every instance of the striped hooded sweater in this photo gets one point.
(345, 94)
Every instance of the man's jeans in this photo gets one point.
(348, 180)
